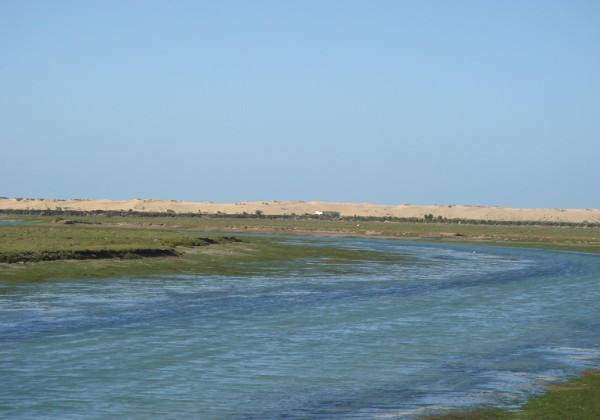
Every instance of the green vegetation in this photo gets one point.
(50, 246)
(44, 248)
(577, 399)
(71, 240)
(326, 215)
(47, 246)
(583, 237)
(564, 236)
(46, 237)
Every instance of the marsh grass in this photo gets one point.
(576, 238)
(44, 249)
(174, 243)
(577, 399)
(81, 242)
(571, 238)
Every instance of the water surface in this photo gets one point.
(455, 327)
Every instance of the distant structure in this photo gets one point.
(327, 213)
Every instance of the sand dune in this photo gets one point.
(301, 207)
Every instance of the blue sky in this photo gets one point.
(422, 102)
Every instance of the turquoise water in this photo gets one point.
(457, 326)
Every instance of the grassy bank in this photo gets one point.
(582, 237)
(59, 241)
(99, 246)
(573, 238)
(577, 399)
(42, 249)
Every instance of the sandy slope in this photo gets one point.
(301, 207)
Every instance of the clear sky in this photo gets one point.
(423, 102)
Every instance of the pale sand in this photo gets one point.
(300, 207)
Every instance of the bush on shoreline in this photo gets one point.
(429, 218)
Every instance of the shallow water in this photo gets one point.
(457, 326)
(10, 223)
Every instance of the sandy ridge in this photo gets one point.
(301, 207)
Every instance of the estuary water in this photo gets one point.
(444, 327)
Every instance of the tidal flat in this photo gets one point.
(170, 241)
(41, 249)
(279, 325)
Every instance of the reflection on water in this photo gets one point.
(456, 327)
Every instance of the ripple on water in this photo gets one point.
(455, 327)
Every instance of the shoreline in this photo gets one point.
(279, 208)
(574, 398)
(573, 237)
(216, 260)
